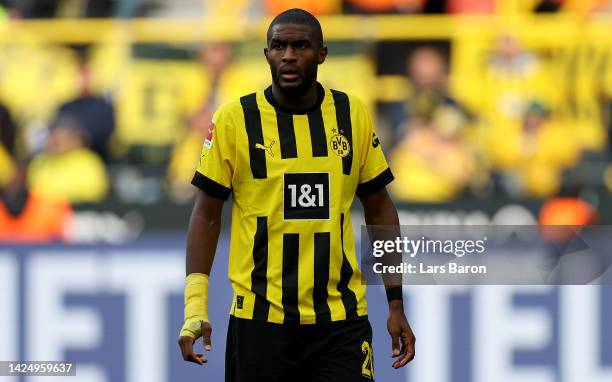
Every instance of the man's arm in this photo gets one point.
(380, 210)
(203, 233)
(202, 237)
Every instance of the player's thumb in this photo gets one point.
(395, 345)
(206, 334)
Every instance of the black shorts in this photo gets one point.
(258, 351)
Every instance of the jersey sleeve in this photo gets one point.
(374, 172)
(215, 169)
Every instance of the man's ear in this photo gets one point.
(266, 52)
(322, 54)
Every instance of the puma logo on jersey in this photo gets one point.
(267, 149)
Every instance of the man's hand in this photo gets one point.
(402, 338)
(204, 330)
(204, 229)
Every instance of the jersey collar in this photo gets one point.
(277, 106)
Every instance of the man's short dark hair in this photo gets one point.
(298, 16)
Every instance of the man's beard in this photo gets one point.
(295, 91)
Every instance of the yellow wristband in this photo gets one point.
(196, 304)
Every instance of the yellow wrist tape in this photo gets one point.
(196, 304)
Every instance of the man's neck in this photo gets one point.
(306, 101)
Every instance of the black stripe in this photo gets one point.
(252, 121)
(343, 119)
(286, 133)
(259, 281)
(211, 187)
(321, 276)
(291, 249)
(348, 296)
(317, 134)
(375, 184)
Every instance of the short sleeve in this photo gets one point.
(374, 172)
(215, 169)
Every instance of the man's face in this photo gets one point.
(294, 55)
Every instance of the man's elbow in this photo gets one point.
(384, 214)
(379, 207)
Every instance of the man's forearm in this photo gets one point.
(379, 210)
(204, 228)
(393, 282)
(201, 245)
(203, 235)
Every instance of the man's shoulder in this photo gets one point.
(237, 105)
(229, 107)
(341, 96)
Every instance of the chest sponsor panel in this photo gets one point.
(306, 196)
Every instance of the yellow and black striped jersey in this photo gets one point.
(293, 177)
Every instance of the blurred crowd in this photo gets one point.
(509, 141)
(195, 8)
(84, 124)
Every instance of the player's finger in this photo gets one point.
(197, 358)
(186, 345)
(408, 351)
(206, 334)
(395, 345)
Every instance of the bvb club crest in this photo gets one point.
(340, 145)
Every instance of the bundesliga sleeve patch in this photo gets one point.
(209, 135)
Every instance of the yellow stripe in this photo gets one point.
(385, 27)
(275, 275)
(306, 280)
(302, 137)
(240, 263)
(334, 299)
(269, 125)
(355, 282)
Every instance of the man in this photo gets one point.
(294, 156)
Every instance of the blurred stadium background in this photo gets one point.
(490, 112)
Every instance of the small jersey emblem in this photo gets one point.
(267, 149)
(375, 140)
(239, 301)
(209, 135)
(340, 145)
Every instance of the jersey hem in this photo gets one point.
(298, 323)
(211, 187)
(373, 185)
